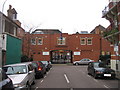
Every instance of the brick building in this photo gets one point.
(11, 37)
(61, 47)
(98, 30)
(112, 34)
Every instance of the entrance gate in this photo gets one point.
(61, 56)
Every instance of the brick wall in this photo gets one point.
(72, 44)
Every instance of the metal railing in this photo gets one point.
(107, 9)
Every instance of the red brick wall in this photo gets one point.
(72, 43)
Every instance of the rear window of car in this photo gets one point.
(21, 69)
(34, 64)
(99, 65)
(41, 64)
(44, 62)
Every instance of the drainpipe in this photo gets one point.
(100, 47)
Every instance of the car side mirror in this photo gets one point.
(30, 72)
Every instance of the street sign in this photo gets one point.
(116, 48)
(76, 53)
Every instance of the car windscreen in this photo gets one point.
(44, 62)
(98, 65)
(10, 70)
(34, 64)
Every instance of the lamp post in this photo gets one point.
(1, 31)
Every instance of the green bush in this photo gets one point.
(24, 58)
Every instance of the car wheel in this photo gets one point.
(88, 73)
(42, 75)
(113, 78)
(76, 64)
(28, 87)
(33, 82)
(37, 77)
(45, 72)
(95, 76)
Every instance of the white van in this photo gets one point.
(21, 74)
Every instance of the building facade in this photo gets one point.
(112, 34)
(11, 37)
(98, 30)
(12, 50)
(59, 47)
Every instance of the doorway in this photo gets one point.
(61, 56)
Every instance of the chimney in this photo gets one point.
(12, 14)
(9, 12)
(10, 7)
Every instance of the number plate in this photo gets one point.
(107, 75)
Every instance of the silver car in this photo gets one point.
(21, 74)
(83, 61)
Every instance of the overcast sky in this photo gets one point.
(69, 15)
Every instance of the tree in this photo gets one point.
(24, 58)
(105, 58)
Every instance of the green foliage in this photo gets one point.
(105, 59)
(110, 32)
(24, 58)
(112, 38)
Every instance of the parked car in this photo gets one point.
(47, 65)
(99, 69)
(5, 81)
(40, 69)
(83, 61)
(22, 74)
(50, 64)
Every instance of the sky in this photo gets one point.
(69, 16)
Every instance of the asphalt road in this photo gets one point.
(71, 77)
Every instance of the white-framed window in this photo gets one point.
(83, 41)
(40, 41)
(89, 41)
(33, 41)
(61, 41)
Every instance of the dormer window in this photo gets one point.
(14, 16)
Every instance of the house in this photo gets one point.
(98, 30)
(112, 14)
(12, 33)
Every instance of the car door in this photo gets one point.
(31, 74)
(89, 68)
(92, 69)
(87, 61)
(81, 61)
(84, 61)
